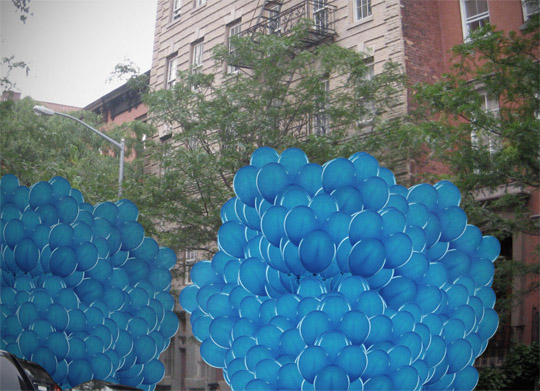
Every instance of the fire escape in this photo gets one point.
(276, 18)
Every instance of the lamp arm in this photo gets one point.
(116, 143)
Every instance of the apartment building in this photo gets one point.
(417, 34)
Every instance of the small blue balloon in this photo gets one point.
(245, 185)
(316, 250)
(311, 361)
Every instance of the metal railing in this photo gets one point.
(319, 12)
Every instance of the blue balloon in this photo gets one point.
(252, 276)
(245, 185)
(490, 248)
(188, 298)
(378, 363)
(367, 257)
(298, 222)
(309, 178)
(256, 354)
(375, 193)
(466, 379)
(365, 165)
(262, 156)
(353, 360)
(349, 199)
(271, 179)
(313, 325)
(333, 342)
(273, 224)
(311, 361)
(87, 256)
(45, 358)
(356, 326)
(331, 378)
(231, 239)
(323, 205)
(448, 194)
(337, 173)
(267, 370)
(316, 250)
(80, 371)
(453, 223)
(289, 378)
(406, 377)
(426, 194)
(399, 249)
(26, 254)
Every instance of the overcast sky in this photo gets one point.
(72, 46)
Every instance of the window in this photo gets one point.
(322, 122)
(369, 104)
(199, 3)
(362, 9)
(172, 70)
(234, 31)
(474, 14)
(320, 15)
(197, 57)
(530, 7)
(274, 23)
(190, 260)
(177, 5)
(484, 138)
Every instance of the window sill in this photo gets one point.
(174, 22)
(359, 22)
(198, 9)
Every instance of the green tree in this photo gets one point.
(37, 148)
(277, 98)
(482, 121)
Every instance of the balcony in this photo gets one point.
(282, 22)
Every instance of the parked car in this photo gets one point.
(23, 375)
(101, 385)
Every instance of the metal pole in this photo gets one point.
(121, 168)
(40, 110)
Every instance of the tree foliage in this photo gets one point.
(37, 148)
(274, 98)
(490, 151)
(518, 372)
(488, 148)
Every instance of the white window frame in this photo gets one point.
(491, 106)
(197, 57)
(321, 122)
(177, 6)
(362, 9)
(172, 71)
(274, 21)
(530, 7)
(370, 73)
(467, 20)
(320, 15)
(199, 3)
(234, 31)
(190, 258)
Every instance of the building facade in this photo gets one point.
(123, 104)
(418, 35)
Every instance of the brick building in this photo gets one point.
(123, 104)
(417, 34)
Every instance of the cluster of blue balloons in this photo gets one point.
(333, 277)
(84, 292)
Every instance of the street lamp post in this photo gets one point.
(41, 110)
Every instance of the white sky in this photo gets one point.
(72, 46)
